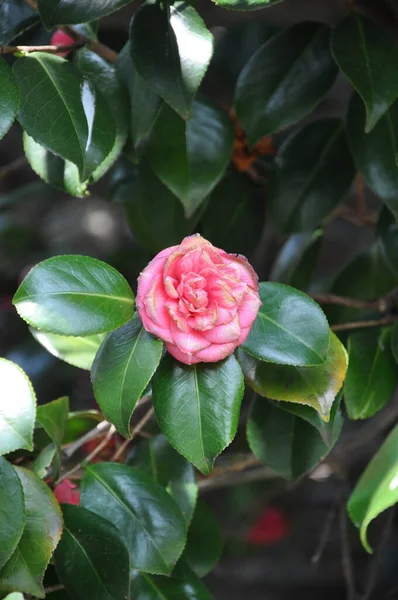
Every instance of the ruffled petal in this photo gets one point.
(189, 342)
(248, 309)
(223, 334)
(214, 353)
(187, 359)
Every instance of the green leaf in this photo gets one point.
(14, 596)
(198, 407)
(41, 466)
(377, 489)
(313, 386)
(74, 296)
(15, 17)
(281, 331)
(234, 216)
(285, 442)
(121, 371)
(284, 80)
(17, 408)
(25, 569)
(61, 126)
(53, 418)
(144, 102)
(9, 97)
(77, 351)
(375, 153)
(148, 519)
(191, 157)
(155, 215)
(371, 375)
(171, 50)
(65, 12)
(158, 459)
(12, 514)
(367, 56)
(297, 259)
(92, 546)
(183, 584)
(314, 171)
(204, 543)
(81, 422)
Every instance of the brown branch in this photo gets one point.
(346, 558)
(120, 451)
(385, 321)
(93, 434)
(50, 49)
(342, 301)
(360, 201)
(54, 588)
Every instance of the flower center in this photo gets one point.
(191, 290)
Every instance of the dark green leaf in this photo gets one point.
(78, 11)
(284, 80)
(286, 443)
(314, 172)
(92, 560)
(297, 259)
(204, 543)
(234, 216)
(191, 157)
(51, 108)
(375, 153)
(25, 569)
(171, 50)
(367, 56)
(313, 386)
(53, 418)
(74, 295)
(144, 102)
(155, 215)
(81, 422)
(148, 519)
(121, 371)
(43, 462)
(281, 331)
(15, 17)
(371, 375)
(377, 488)
(17, 409)
(183, 584)
(160, 461)
(198, 407)
(77, 351)
(9, 97)
(12, 513)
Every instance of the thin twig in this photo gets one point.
(51, 49)
(360, 202)
(91, 456)
(98, 431)
(375, 566)
(54, 588)
(13, 166)
(341, 301)
(327, 528)
(364, 324)
(346, 554)
(120, 451)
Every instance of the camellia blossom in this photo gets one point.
(60, 38)
(199, 299)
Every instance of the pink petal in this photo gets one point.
(178, 317)
(152, 269)
(224, 333)
(248, 309)
(170, 287)
(247, 273)
(225, 315)
(204, 321)
(190, 342)
(154, 303)
(187, 359)
(243, 335)
(214, 353)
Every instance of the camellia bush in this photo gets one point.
(103, 504)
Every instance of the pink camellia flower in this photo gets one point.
(60, 38)
(200, 300)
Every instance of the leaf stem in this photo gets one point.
(50, 49)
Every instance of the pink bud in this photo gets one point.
(60, 38)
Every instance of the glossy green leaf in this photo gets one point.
(14, 596)
(171, 50)
(9, 97)
(121, 371)
(43, 462)
(15, 17)
(367, 56)
(17, 408)
(74, 295)
(81, 422)
(78, 11)
(314, 171)
(204, 543)
(53, 418)
(245, 4)
(158, 459)
(297, 259)
(191, 157)
(156, 217)
(42, 75)
(234, 216)
(25, 569)
(77, 351)
(371, 375)
(91, 559)
(286, 443)
(281, 331)
(144, 102)
(375, 153)
(12, 513)
(183, 584)
(284, 80)
(198, 407)
(377, 489)
(147, 518)
(313, 386)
